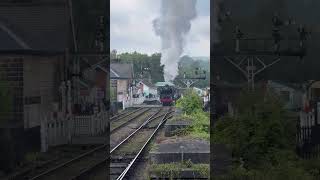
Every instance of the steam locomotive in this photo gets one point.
(167, 95)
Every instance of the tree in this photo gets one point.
(187, 67)
(259, 132)
(144, 65)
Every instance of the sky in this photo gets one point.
(131, 28)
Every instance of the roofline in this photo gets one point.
(14, 36)
(121, 78)
(152, 85)
(114, 72)
(103, 69)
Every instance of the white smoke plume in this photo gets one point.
(172, 26)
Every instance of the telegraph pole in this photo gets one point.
(189, 81)
(251, 62)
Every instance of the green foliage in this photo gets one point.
(173, 170)
(190, 102)
(263, 136)
(200, 126)
(141, 61)
(286, 170)
(170, 170)
(312, 166)
(202, 169)
(187, 66)
(32, 157)
(191, 105)
(259, 131)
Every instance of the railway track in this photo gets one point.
(70, 168)
(97, 171)
(124, 155)
(91, 164)
(123, 115)
(62, 154)
(121, 122)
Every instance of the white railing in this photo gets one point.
(90, 125)
(307, 121)
(139, 100)
(59, 131)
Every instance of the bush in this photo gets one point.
(190, 102)
(200, 125)
(263, 136)
(284, 171)
(258, 132)
(173, 170)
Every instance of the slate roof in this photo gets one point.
(34, 26)
(147, 83)
(294, 86)
(163, 84)
(121, 71)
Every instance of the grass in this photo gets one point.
(173, 170)
(200, 126)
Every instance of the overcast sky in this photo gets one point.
(131, 27)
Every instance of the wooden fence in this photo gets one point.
(308, 135)
(60, 130)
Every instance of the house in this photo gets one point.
(147, 88)
(34, 62)
(290, 94)
(94, 83)
(121, 78)
(33, 54)
(199, 91)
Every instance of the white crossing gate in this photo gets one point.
(59, 131)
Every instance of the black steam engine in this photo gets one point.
(167, 95)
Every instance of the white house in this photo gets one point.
(292, 96)
(199, 91)
(147, 88)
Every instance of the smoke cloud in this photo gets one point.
(172, 26)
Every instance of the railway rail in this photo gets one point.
(69, 169)
(91, 164)
(97, 170)
(125, 114)
(60, 155)
(116, 125)
(124, 158)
